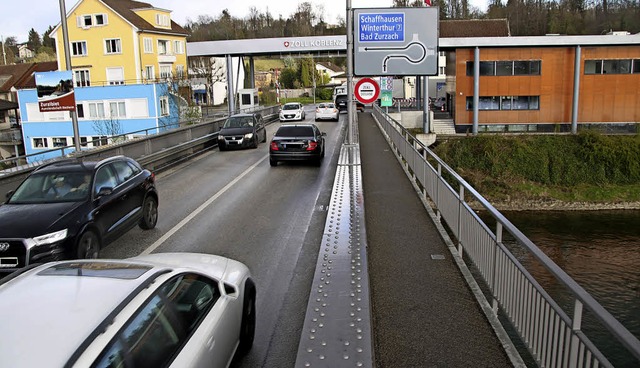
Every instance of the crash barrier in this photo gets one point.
(553, 334)
(154, 151)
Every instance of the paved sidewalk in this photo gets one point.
(423, 313)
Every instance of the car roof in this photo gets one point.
(56, 313)
(242, 115)
(76, 164)
(55, 307)
(293, 103)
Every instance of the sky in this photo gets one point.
(22, 15)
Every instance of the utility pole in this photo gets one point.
(67, 59)
(350, 114)
(4, 55)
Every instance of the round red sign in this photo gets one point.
(367, 90)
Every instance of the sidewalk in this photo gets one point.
(423, 313)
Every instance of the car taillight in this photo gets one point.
(274, 146)
(312, 146)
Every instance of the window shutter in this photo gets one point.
(79, 21)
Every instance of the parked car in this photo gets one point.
(178, 310)
(242, 131)
(292, 111)
(327, 110)
(71, 208)
(297, 142)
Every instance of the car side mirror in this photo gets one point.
(323, 134)
(105, 191)
(9, 194)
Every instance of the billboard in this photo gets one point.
(55, 91)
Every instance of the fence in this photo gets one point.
(554, 337)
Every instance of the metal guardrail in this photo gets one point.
(153, 151)
(553, 336)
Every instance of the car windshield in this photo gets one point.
(295, 131)
(50, 187)
(291, 107)
(238, 122)
(322, 106)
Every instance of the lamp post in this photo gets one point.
(67, 59)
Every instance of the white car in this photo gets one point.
(292, 111)
(327, 110)
(158, 310)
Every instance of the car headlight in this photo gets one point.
(50, 238)
(248, 136)
(220, 137)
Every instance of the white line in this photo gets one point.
(193, 214)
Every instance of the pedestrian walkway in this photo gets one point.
(387, 290)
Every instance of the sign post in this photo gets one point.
(386, 92)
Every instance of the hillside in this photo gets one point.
(584, 171)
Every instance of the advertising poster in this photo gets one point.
(55, 91)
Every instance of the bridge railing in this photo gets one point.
(553, 332)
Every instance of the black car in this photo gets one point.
(71, 208)
(297, 142)
(241, 131)
(342, 103)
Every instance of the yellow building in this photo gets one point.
(115, 42)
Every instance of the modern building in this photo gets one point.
(129, 65)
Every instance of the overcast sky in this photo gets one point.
(19, 16)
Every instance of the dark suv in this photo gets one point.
(241, 131)
(71, 208)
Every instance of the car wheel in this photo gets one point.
(264, 137)
(88, 245)
(221, 148)
(149, 213)
(255, 142)
(248, 324)
(273, 162)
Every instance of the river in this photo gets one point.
(601, 251)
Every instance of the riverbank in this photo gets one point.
(583, 172)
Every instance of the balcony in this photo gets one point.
(11, 136)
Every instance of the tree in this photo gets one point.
(108, 127)
(47, 40)
(9, 50)
(210, 70)
(34, 42)
(307, 72)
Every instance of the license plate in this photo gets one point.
(8, 262)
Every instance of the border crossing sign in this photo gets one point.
(396, 41)
(367, 90)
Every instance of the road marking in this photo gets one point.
(197, 211)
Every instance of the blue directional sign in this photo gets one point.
(395, 41)
(376, 27)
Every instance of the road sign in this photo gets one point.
(396, 41)
(367, 90)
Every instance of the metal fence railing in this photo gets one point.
(552, 331)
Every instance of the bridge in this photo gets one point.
(374, 259)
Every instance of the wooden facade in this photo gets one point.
(603, 98)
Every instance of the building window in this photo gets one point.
(87, 21)
(96, 110)
(79, 48)
(83, 141)
(163, 47)
(636, 66)
(610, 66)
(505, 103)
(82, 78)
(99, 141)
(115, 76)
(117, 109)
(180, 71)
(165, 71)
(59, 141)
(164, 106)
(80, 110)
(178, 47)
(148, 45)
(163, 20)
(101, 19)
(40, 143)
(112, 46)
(149, 72)
(506, 67)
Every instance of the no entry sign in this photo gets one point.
(367, 90)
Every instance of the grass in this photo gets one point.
(587, 167)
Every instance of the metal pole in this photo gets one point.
(425, 106)
(350, 114)
(314, 80)
(231, 102)
(4, 55)
(476, 89)
(67, 60)
(576, 91)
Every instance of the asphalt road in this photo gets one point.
(234, 204)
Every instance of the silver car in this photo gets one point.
(158, 310)
(327, 110)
